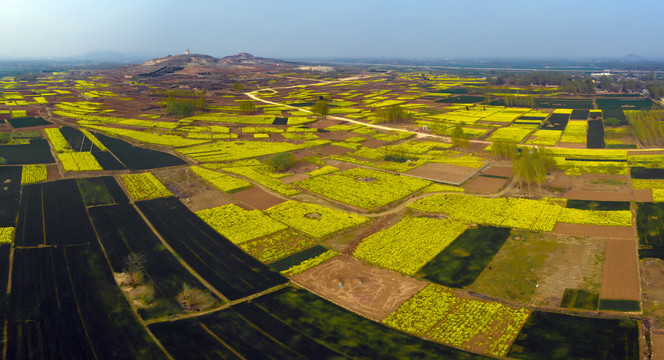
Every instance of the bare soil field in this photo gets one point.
(608, 195)
(536, 268)
(485, 185)
(657, 346)
(652, 284)
(597, 231)
(52, 172)
(621, 271)
(190, 189)
(373, 143)
(504, 171)
(294, 178)
(337, 135)
(370, 291)
(642, 195)
(452, 174)
(257, 198)
(333, 150)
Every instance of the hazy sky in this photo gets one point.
(334, 28)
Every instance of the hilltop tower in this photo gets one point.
(186, 52)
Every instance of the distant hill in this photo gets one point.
(191, 64)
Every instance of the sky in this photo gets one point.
(290, 29)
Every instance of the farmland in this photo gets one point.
(426, 215)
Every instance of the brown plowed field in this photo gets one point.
(611, 232)
(370, 291)
(257, 198)
(642, 195)
(333, 150)
(620, 280)
(504, 171)
(485, 185)
(598, 195)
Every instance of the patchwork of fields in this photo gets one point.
(254, 228)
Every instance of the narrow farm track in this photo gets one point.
(186, 266)
(219, 308)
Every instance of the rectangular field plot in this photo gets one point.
(10, 178)
(227, 268)
(477, 325)
(463, 260)
(620, 282)
(53, 213)
(249, 332)
(138, 158)
(558, 336)
(536, 215)
(408, 245)
(101, 191)
(37, 152)
(24, 122)
(312, 219)
(56, 316)
(377, 188)
(332, 326)
(123, 233)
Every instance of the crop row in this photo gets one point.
(596, 217)
(410, 244)
(575, 132)
(144, 186)
(514, 133)
(79, 161)
(376, 187)
(6, 235)
(223, 182)
(277, 246)
(312, 219)
(237, 150)
(545, 137)
(60, 144)
(240, 225)
(146, 137)
(324, 170)
(517, 213)
(33, 174)
(437, 313)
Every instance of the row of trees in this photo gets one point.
(183, 107)
(530, 165)
(520, 101)
(180, 93)
(647, 126)
(393, 114)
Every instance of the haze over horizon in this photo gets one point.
(290, 29)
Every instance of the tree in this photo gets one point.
(393, 114)
(504, 150)
(5, 138)
(134, 265)
(459, 139)
(281, 161)
(247, 106)
(533, 166)
(320, 108)
(237, 86)
(438, 128)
